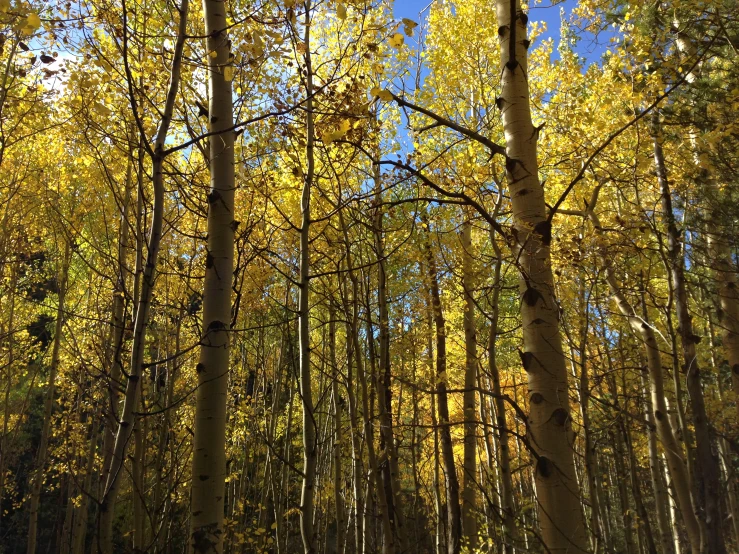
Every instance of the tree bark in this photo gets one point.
(706, 470)
(447, 453)
(561, 520)
(209, 456)
(469, 491)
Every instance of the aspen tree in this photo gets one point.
(673, 453)
(148, 277)
(209, 441)
(469, 491)
(454, 517)
(310, 444)
(39, 473)
(706, 464)
(558, 495)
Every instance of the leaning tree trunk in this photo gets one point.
(39, 474)
(558, 492)
(706, 472)
(209, 442)
(673, 452)
(133, 385)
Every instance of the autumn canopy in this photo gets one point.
(358, 277)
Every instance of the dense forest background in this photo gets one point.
(283, 276)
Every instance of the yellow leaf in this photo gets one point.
(408, 26)
(4, 5)
(345, 126)
(385, 95)
(397, 40)
(33, 21)
(213, 54)
(341, 11)
(228, 73)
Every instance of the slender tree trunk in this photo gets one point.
(678, 472)
(310, 426)
(469, 492)
(390, 469)
(337, 439)
(706, 464)
(561, 521)
(660, 494)
(131, 398)
(444, 424)
(507, 503)
(209, 441)
(39, 473)
(725, 275)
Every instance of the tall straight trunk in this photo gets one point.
(454, 518)
(441, 516)
(706, 471)
(584, 394)
(390, 469)
(644, 527)
(357, 466)
(310, 444)
(209, 441)
(469, 491)
(507, 503)
(560, 515)
(725, 275)
(337, 433)
(660, 494)
(39, 473)
(388, 543)
(131, 397)
(10, 346)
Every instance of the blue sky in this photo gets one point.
(589, 46)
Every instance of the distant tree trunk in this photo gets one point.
(678, 472)
(337, 433)
(660, 494)
(507, 502)
(444, 424)
(310, 425)
(209, 441)
(353, 329)
(558, 494)
(469, 492)
(706, 467)
(39, 473)
(390, 469)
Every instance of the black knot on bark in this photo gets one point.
(526, 359)
(537, 398)
(544, 466)
(560, 416)
(213, 196)
(199, 368)
(216, 325)
(531, 296)
(544, 230)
